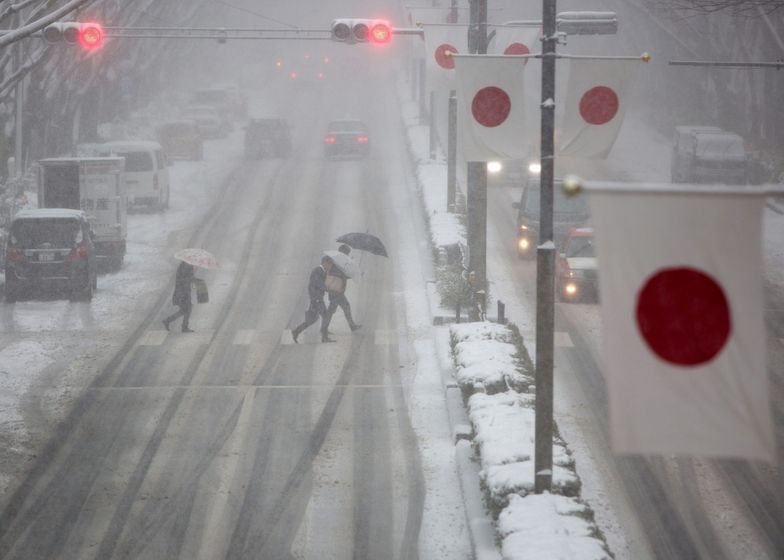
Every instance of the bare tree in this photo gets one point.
(735, 7)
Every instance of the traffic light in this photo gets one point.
(351, 31)
(89, 35)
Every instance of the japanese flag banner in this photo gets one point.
(490, 107)
(515, 40)
(595, 104)
(441, 41)
(682, 309)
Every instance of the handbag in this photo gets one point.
(335, 284)
(202, 295)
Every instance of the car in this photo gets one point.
(568, 212)
(576, 272)
(227, 100)
(210, 122)
(146, 171)
(707, 154)
(267, 137)
(181, 139)
(50, 249)
(347, 137)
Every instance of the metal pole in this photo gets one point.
(545, 264)
(422, 88)
(451, 157)
(477, 171)
(19, 108)
(433, 136)
(414, 74)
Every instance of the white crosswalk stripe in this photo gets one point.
(243, 337)
(563, 340)
(153, 338)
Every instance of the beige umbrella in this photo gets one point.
(197, 257)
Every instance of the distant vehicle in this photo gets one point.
(96, 186)
(707, 154)
(568, 213)
(227, 100)
(512, 172)
(146, 171)
(50, 249)
(181, 139)
(211, 123)
(348, 137)
(307, 68)
(268, 137)
(576, 271)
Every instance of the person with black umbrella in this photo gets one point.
(182, 296)
(336, 288)
(316, 308)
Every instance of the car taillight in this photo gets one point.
(155, 182)
(13, 254)
(362, 139)
(330, 139)
(78, 254)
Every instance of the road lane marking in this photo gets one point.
(243, 337)
(563, 340)
(153, 338)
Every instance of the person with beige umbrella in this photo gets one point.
(184, 280)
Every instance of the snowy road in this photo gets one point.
(233, 441)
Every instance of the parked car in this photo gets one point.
(146, 171)
(707, 154)
(576, 271)
(50, 249)
(268, 137)
(568, 213)
(348, 137)
(211, 123)
(181, 139)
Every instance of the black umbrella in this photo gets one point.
(364, 242)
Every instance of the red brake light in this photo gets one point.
(330, 139)
(77, 254)
(14, 255)
(362, 139)
(293, 75)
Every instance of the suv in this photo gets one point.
(576, 273)
(268, 137)
(50, 248)
(706, 154)
(568, 213)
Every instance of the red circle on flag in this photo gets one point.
(518, 48)
(491, 106)
(683, 316)
(599, 105)
(442, 59)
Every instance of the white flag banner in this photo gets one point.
(441, 41)
(595, 104)
(682, 308)
(491, 112)
(515, 40)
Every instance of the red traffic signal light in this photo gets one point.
(361, 31)
(89, 35)
(380, 33)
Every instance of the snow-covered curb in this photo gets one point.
(495, 375)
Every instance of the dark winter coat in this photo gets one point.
(316, 287)
(182, 284)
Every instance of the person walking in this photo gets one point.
(316, 308)
(182, 296)
(336, 289)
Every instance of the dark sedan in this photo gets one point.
(346, 138)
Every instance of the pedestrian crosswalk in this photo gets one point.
(246, 337)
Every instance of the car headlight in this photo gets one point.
(577, 274)
(570, 289)
(523, 244)
(523, 227)
(494, 166)
(535, 168)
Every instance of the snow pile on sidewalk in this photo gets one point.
(494, 371)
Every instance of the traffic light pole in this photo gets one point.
(545, 263)
(477, 171)
(451, 155)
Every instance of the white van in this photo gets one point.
(146, 171)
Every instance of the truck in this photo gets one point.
(707, 154)
(97, 186)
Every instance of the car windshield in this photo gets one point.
(719, 145)
(580, 246)
(563, 205)
(137, 161)
(48, 232)
(346, 126)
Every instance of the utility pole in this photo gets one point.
(545, 263)
(451, 155)
(18, 107)
(477, 171)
